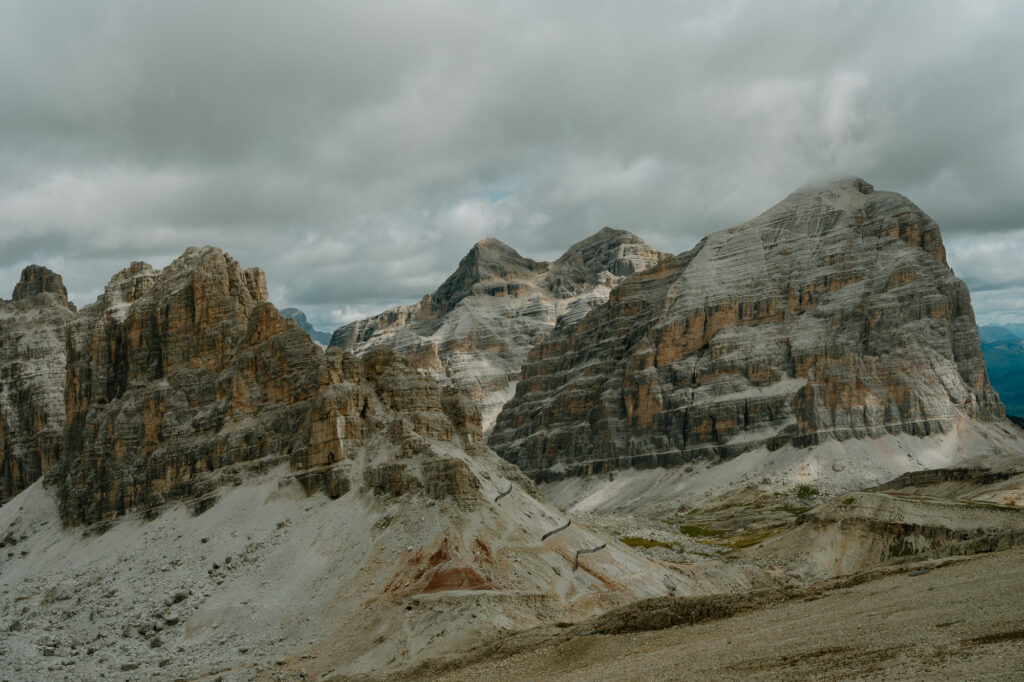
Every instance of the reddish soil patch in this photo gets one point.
(442, 554)
(484, 550)
(456, 579)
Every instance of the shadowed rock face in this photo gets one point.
(176, 376)
(32, 367)
(477, 328)
(35, 280)
(833, 315)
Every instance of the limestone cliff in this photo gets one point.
(32, 366)
(175, 375)
(359, 488)
(833, 315)
(477, 328)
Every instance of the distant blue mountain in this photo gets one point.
(1003, 346)
(992, 333)
(323, 338)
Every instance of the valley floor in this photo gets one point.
(963, 619)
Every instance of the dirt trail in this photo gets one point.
(962, 619)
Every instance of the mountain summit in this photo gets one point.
(831, 316)
(477, 328)
(32, 369)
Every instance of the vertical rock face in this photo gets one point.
(185, 386)
(477, 328)
(831, 316)
(175, 376)
(35, 280)
(32, 368)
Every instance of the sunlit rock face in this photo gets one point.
(32, 369)
(831, 316)
(202, 427)
(477, 328)
(175, 376)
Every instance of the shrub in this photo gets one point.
(806, 492)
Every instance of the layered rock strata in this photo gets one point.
(831, 316)
(477, 328)
(175, 375)
(360, 488)
(32, 369)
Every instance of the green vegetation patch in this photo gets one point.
(901, 547)
(644, 542)
(700, 532)
(806, 492)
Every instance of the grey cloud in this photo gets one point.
(355, 151)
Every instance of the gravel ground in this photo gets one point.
(963, 620)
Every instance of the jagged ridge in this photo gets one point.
(477, 328)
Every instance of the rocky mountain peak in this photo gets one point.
(609, 251)
(32, 371)
(831, 316)
(816, 210)
(188, 395)
(477, 328)
(490, 260)
(35, 280)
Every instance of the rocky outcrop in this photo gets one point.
(36, 280)
(32, 368)
(176, 376)
(194, 405)
(831, 316)
(477, 328)
(323, 338)
(861, 530)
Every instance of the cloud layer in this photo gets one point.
(356, 151)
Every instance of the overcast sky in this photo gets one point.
(356, 151)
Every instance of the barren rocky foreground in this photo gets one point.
(952, 619)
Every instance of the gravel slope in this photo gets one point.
(961, 620)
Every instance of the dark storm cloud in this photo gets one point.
(355, 151)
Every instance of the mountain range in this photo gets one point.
(1003, 347)
(477, 328)
(194, 487)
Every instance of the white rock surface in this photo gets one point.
(270, 579)
(477, 328)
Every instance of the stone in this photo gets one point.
(476, 329)
(178, 377)
(186, 390)
(831, 316)
(36, 280)
(32, 374)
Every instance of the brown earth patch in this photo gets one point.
(460, 578)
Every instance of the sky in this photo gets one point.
(357, 150)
